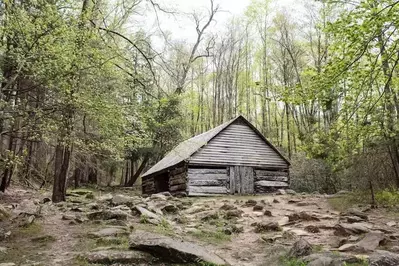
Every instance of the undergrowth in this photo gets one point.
(217, 236)
(385, 198)
(285, 261)
(389, 198)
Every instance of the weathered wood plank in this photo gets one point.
(272, 178)
(259, 172)
(147, 179)
(207, 176)
(226, 161)
(237, 179)
(232, 181)
(271, 184)
(178, 176)
(217, 156)
(247, 179)
(210, 190)
(177, 170)
(207, 171)
(251, 181)
(195, 194)
(236, 154)
(178, 187)
(177, 181)
(216, 182)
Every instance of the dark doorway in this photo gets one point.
(162, 183)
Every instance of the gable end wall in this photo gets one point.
(238, 144)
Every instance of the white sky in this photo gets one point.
(184, 29)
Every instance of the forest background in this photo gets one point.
(93, 92)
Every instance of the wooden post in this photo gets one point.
(232, 181)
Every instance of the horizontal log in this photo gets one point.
(178, 176)
(195, 194)
(215, 182)
(270, 173)
(147, 179)
(207, 171)
(271, 184)
(178, 170)
(210, 190)
(178, 187)
(272, 178)
(177, 181)
(208, 176)
(238, 155)
(268, 190)
(230, 162)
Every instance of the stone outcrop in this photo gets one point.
(172, 250)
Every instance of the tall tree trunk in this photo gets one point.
(287, 113)
(62, 156)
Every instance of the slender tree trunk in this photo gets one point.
(136, 175)
(287, 114)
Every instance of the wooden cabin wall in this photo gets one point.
(178, 179)
(148, 185)
(207, 181)
(269, 181)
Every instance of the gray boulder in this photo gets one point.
(370, 242)
(108, 257)
(300, 248)
(3, 250)
(172, 250)
(329, 258)
(384, 258)
(4, 234)
(27, 207)
(105, 198)
(3, 213)
(152, 217)
(302, 216)
(267, 227)
(125, 200)
(107, 215)
(110, 231)
(344, 229)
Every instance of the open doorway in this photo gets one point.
(162, 183)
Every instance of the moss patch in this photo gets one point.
(211, 236)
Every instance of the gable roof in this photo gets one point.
(187, 148)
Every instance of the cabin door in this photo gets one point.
(241, 180)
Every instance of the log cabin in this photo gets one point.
(233, 158)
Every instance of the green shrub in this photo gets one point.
(292, 262)
(214, 236)
(144, 219)
(387, 197)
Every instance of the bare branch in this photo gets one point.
(200, 32)
(146, 58)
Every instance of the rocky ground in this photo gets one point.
(117, 228)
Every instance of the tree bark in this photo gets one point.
(62, 156)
